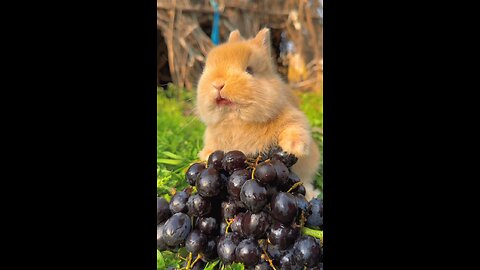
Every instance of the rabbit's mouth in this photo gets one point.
(223, 101)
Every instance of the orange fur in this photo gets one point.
(264, 112)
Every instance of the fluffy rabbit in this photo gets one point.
(246, 106)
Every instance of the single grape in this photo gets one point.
(161, 245)
(253, 195)
(226, 247)
(215, 160)
(163, 213)
(234, 160)
(315, 219)
(302, 204)
(196, 242)
(307, 250)
(300, 190)
(265, 172)
(193, 172)
(176, 229)
(275, 253)
(178, 203)
(198, 206)
(284, 207)
(288, 159)
(236, 181)
(210, 252)
(209, 183)
(281, 171)
(248, 252)
(236, 226)
(255, 225)
(289, 262)
(207, 225)
(282, 235)
(229, 209)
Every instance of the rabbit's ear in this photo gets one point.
(263, 39)
(235, 36)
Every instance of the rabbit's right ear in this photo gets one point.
(235, 36)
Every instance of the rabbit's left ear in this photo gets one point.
(263, 39)
(235, 36)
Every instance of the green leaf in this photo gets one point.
(160, 260)
(169, 161)
(235, 266)
(171, 155)
(211, 265)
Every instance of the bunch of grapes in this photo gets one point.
(249, 210)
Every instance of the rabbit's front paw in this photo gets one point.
(204, 154)
(295, 144)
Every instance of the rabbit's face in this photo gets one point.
(240, 82)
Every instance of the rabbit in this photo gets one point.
(246, 106)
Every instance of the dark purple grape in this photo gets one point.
(255, 225)
(292, 179)
(302, 204)
(198, 206)
(288, 159)
(265, 172)
(262, 266)
(307, 250)
(234, 160)
(196, 242)
(289, 262)
(236, 226)
(284, 207)
(248, 252)
(282, 236)
(229, 209)
(163, 213)
(210, 252)
(161, 245)
(315, 219)
(193, 172)
(178, 203)
(215, 160)
(176, 229)
(281, 171)
(207, 225)
(209, 183)
(253, 195)
(236, 181)
(275, 253)
(300, 190)
(226, 247)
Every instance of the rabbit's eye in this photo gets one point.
(249, 70)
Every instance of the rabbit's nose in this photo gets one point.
(218, 85)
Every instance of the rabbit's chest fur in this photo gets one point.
(248, 138)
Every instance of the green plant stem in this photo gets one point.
(314, 233)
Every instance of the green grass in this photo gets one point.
(180, 138)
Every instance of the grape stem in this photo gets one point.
(256, 163)
(295, 186)
(270, 262)
(189, 260)
(196, 260)
(314, 233)
(229, 222)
